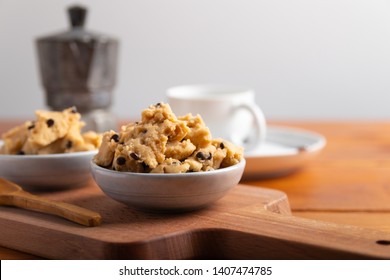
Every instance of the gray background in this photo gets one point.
(305, 59)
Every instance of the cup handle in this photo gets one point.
(259, 125)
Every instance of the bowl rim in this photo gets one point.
(239, 165)
(48, 156)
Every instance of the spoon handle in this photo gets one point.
(70, 212)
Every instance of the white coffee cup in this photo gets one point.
(230, 112)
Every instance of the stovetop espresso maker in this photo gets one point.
(78, 68)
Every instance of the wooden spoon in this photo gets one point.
(13, 195)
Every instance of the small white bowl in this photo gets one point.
(167, 192)
(47, 172)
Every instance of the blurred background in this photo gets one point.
(306, 60)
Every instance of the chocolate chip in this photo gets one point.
(158, 104)
(144, 131)
(200, 156)
(145, 166)
(31, 126)
(74, 110)
(50, 122)
(120, 160)
(222, 145)
(69, 144)
(134, 156)
(21, 152)
(115, 137)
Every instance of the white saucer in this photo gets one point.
(285, 150)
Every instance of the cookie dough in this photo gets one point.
(164, 143)
(51, 133)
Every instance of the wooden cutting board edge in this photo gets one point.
(219, 235)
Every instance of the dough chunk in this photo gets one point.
(107, 148)
(52, 132)
(164, 143)
(171, 165)
(15, 138)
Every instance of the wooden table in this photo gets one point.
(348, 183)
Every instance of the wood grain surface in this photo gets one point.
(249, 223)
(348, 184)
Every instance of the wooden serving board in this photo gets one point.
(248, 223)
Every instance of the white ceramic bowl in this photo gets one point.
(167, 192)
(47, 172)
